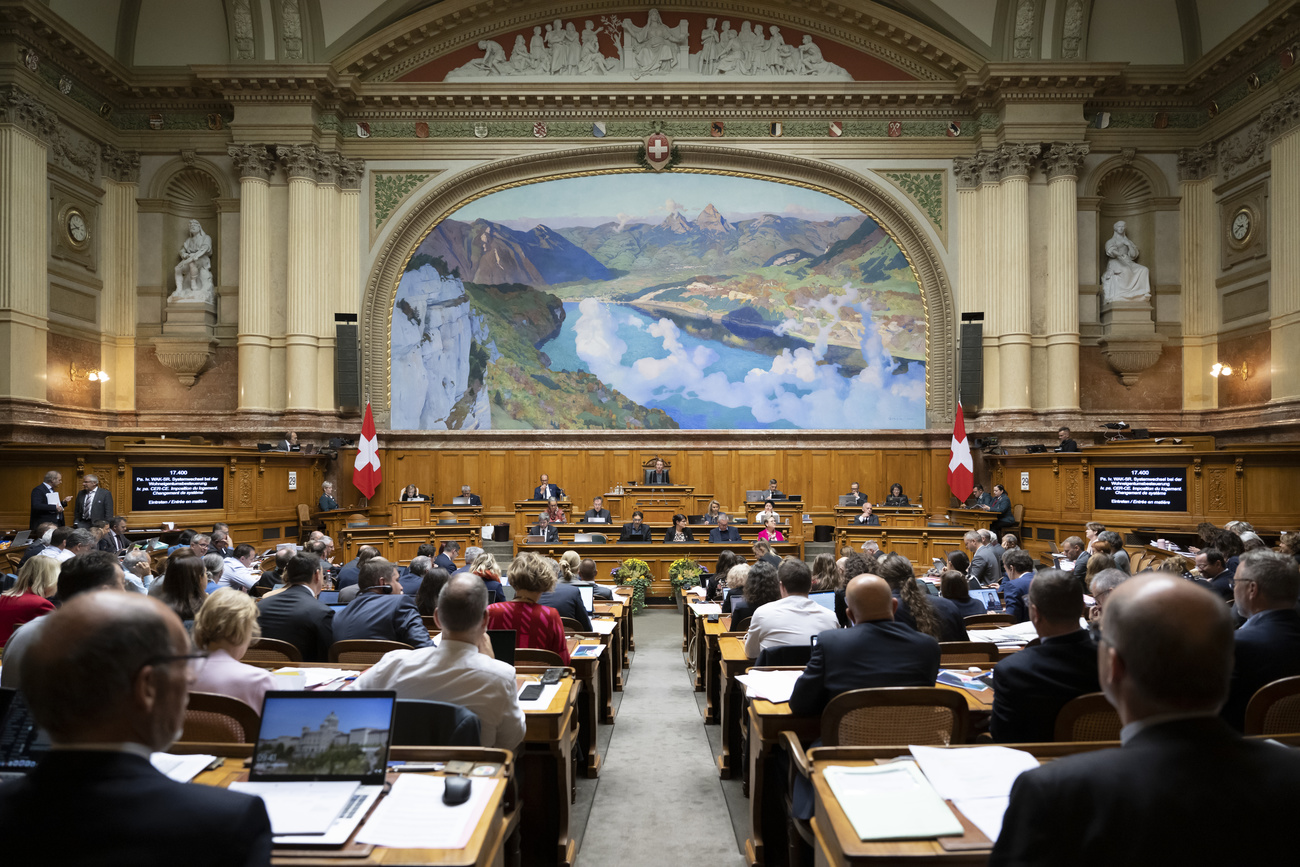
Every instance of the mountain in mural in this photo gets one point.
(491, 254)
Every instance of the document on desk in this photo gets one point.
(774, 686)
(413, 816)
(182, 769)
(604, 627)
(301, 808)
(978, 780)
(891, 802)
(586, 651)
(543, 701)
(317, 677)
(706, 608)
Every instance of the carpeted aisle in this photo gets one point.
(659, 800)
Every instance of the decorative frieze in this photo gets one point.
(22, 109)
(1196, 163)
(119, 165)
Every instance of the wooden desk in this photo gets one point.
(526, 512)
(891, 517)
(766, 806)
(657, 502)
(421, 513)
(401, 544)
(791, 512)
(590, 672)
(732, 661)
(622, 634)
(711, 634)
(918, 544)
(546, 760)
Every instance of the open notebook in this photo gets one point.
(320, 762)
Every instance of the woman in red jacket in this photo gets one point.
(29, 597)
(535, 625)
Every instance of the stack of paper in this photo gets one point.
(977, 780)
(301, 808)
(774, 686)
(891, 802)
(413, 816)
(604, 627)
(1020, 633)
(704, 609)
(317, 677)
(182, 769)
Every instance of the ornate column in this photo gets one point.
(970, 248)
(1012, 292)
(1199, 297)
(327, 263)
(1062, 290)
(1279, 120)
(300, 340)
(120, 227)
(349, 245)
(991, 230)
(26, 126)
(255, 166)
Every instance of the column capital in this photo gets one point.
(1064, 159)
(1195, 164)
(992, 164)
(1280, 116)
(119, 165)
(1018, 158)
(252, 160)
(967, 171)
(327, 167)
(20, 108)
(350, 173)
(299, 161)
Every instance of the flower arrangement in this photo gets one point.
(635, 573)
(684, 573)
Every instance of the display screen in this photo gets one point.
(1152, 489)
(177, 489)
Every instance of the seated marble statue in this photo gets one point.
(1125, 279)
(194, 271)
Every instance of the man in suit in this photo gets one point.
(636, 531)
(1031, 687)
(865, 518)
(289, 443)
(990, 538)
(219, 541)
(587, 573)
(93, 503)
(43, 508)
(350, 571)
(597, 514)
(983, 565)
(1073, 549)
(858, 497)
(108, 680)
(115, 539)
(1001, 506)
(545, 529)
(567, 599)
(724, 532)
(327, 503)
(658, 475)
(773, 493)
(1213, 567)
(446, 558)
(979, 498)
(474, 499)
(1015, 590)
(295, 614)
(1267, 647)
(411, 579)
(546, 490)
(381, 610)
(1164, 662)
(1063, 441)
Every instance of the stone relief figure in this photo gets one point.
(1125, 279)
(520, 60)
(291, 29)
(814, 64)
(654, 46)
(709, 51)
(243, 16)
(537, 48)
(194, 271)
(592, 62)
(494, 58)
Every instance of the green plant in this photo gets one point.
(684, 573)
(636, 574)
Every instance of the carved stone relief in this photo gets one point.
(1072, 489)
(1072, 31)
(290, 30)
(1023, 42)
(243, 21)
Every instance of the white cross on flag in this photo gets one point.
(366, 474)
(961, 467)
(658, 150)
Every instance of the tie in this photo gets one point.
(90, 497)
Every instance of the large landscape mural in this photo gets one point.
(632, 301)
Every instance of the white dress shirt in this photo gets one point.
(455, 672)
(788, 620)
(59, 554)
(235, 574)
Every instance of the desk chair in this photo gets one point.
(741, 626)
(1087, 718)
(537, 656)
(571, 625)
(989, 621)
(364, 651)
(967, 652)
(417, 722)
(305, 524)
(272, 650)
(219, 719)
(785, 654)
(429, 623)
(599, 539)
(1275, 708)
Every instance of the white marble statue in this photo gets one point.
(709, 49)
(1125, 279)
(654, 46)
(194, 271)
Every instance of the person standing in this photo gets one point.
(93, 503)
(47, 507)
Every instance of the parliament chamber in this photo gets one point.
(319, 320)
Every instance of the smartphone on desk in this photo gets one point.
(552, 675)
(532, 692)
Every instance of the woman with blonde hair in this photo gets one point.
(485, 566)
(38, 579)
(569, 563)
(535, 625)
(224, 628)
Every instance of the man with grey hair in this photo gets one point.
(138, 575)
(46, 503)
(991, 539)
(983, 565)
(1267, 647)
(1164, 662)
(471, 554)
(93, 503)
(1103, 584)
(108, 679)
(724, 532)
(200, 543)
(413, 577)
(461, 669)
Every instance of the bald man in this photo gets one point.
(874, 651)
(108, 679)
(1164, 663)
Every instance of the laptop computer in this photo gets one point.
(22, 743)
(588, 596)
(337, 607)
(21, 539)
(755, 496)
(460, 501)
(329, 597)
(989, 598)
(320, 762)
(848, 500)
(582, 538)
(825, 599)
(503, 644)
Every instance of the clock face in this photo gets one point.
(77, 227)
(1241, 225)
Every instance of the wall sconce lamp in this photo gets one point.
(75, 373)
(1227, 370)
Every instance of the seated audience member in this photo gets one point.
(1117, 552)
(411, 492)
(553, 511)
(1001, 506)
(200, 544)
(350, 571)
(1165, 663)
(460, 669)
(426, 598)
(988, 537)
(1103, 584)
(955, 560)
(1267, 647)
(760, 586)
(535, 625)
(115, 539)
(238, 569)
(184, 584)
(826, 574)
(29, 598)
(544, 529)
(220, 542)
(380, 611)
(1074, 551)
(447, 555)
(763, 551)
(733, 583)
(770, 533)
(658, 475)
(225, 627)
(858, 498)
(295, 614)
(486, 568)
(979, 498)
(724, 532)
(718, 580)
(139, 576)
(896, 496)
(1176, 564)
(1214, 570)
(412, 579)
(471, 554)
(474, 499)
(1032, 685)
(1290, 546)
(678, 533)
(769, 511)
(107, 681)
(1250, 541)
(791, 619)
(635, 530)
(933, 615)
(1010, 541)
(60, 546)
(597, 514)
(1091, 532)
(587, 572)
(1064, 443)
(40, 539)
(1098, 562)
(275, 575)
(983, 564)
(214, 566)
(565, 598)
(866, 519)
(327, 503)
(711, 516)
(1015, 592)
(953, 586)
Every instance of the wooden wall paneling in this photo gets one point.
(820, 485)
(904, 467)
(1270, 491)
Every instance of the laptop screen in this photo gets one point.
(588, 596)
(503, 644)
(337, 607)
(460, 501)
(329, 597)
(989, 598)
(324, 736)
(825, 600)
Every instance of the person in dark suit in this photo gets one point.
(597, 514)
(1001, 506)
(1015, 591)
(381, 610)
(990, 538)
(678, 532)
(1073, 549)
(1164, 663)
(107, 679)
(724, 532)
(567, 599)
(1031, 686)
(858, 497)
(979, 498)
(474, 499)
(446, 558)
(1214, 569)
(896, 497)
(1064, 443)
(983, 565)
(635, 531)
(544, 529)
(295, 614)
(763, 553)
(289, 443)
(327, 503)
(773, 493)
(93, 503)
(42, 510)
(546, 490)
(866, 519)
(350, 571)
(658, 475)
(1267, 647)
(115, 539)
